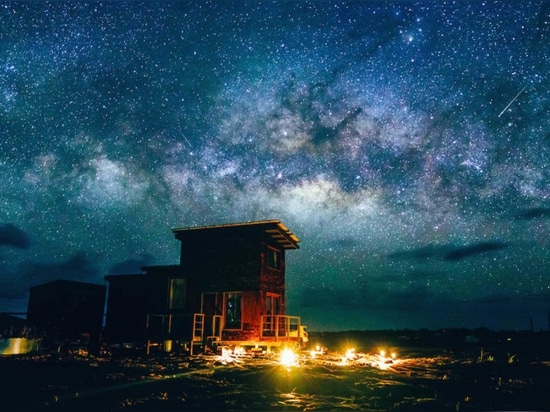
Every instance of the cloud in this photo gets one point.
(366, 299)
(447, 252)
(533, 213)
(11, 235)
(422, 253)
(76, 267)
(373, 307)
(425, 274)
(132, 265)
(495, 299)
(9, 289)
(541, 297)
(474, 249)
(15, 284)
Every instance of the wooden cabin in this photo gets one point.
(66, 311)
(229, 288)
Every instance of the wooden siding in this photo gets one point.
(214, 260)
(222, 261)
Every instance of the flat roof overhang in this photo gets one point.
(274, 228)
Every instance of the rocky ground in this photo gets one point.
(390, 371)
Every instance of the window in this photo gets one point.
(233, 310)
(273, 258)
(177, 293)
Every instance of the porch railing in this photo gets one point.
(280, 327)
(166, 327)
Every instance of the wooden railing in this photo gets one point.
(280, 327)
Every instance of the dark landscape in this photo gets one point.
(443, 370)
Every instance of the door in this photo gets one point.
(272, 310)
(212, 308)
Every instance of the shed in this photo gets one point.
(67, 310)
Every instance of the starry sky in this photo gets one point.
(407, 145)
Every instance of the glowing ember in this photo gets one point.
(316, 352)
(288, 358)
(350, 354)
(239, 351)
(348, 357)
(229, 356)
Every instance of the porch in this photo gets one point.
(163, 330)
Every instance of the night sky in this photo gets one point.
(407, 145)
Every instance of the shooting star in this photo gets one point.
(513, 100)
(187, 140)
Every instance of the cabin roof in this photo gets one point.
(66, 283)
(274, 228)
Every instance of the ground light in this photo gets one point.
(288, 358)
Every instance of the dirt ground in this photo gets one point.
(422, 370)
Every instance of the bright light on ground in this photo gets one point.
(288, 358)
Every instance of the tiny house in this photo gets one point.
(67, 311)
(228, 288)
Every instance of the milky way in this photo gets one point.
(407, 145)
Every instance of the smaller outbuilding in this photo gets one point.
(66, 311)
